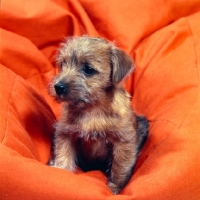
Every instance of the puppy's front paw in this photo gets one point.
(70, 166)
(66, 164)
(114, 188)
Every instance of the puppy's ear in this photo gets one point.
(121, 64)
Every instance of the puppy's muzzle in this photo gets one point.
(61, 88)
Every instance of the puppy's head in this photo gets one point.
(87, 67)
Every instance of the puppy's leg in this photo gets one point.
(64, 153)
(124, 158)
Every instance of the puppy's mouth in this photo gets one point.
(75, 102)
(79, 103)
(71, 100)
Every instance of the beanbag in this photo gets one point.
(163, 38)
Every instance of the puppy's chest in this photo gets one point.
(95, 124)
(94, 136)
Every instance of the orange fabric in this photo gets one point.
(162, 36)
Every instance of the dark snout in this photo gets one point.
(60, 87)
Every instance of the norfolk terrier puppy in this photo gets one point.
(97, 128)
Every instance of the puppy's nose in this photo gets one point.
(60, 87)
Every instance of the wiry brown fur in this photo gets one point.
(97, 128)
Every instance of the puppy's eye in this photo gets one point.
(88, 71)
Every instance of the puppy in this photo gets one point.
(97, 128)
